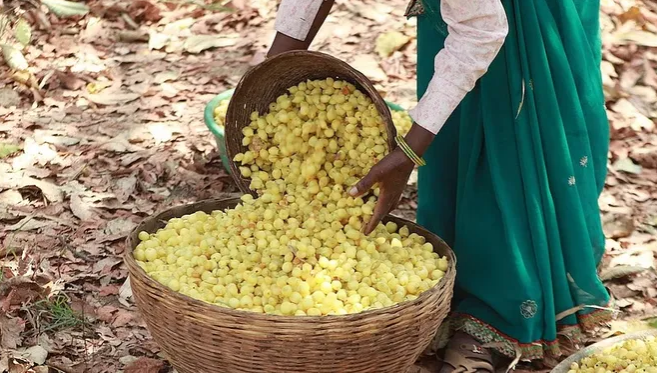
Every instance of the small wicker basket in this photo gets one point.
(265, 82)
(200, 337)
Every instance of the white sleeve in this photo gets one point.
(477, 29)
(295, 17)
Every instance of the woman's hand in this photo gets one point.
(391, 174)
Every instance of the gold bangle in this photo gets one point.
(408, 151)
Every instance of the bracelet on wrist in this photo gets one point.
(408, 151)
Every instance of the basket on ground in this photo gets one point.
(199, 337)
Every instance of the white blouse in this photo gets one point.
(477, 29)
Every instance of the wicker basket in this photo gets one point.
(261, 85)
(200, 337)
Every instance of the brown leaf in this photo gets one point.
(650, 76)
(69, 80)
(17, 180)
(123, 317)
(115, 98)
(80, 208)
(106, 313)
(145, 365)
(125, 187)
(10, 331)
(105, 265)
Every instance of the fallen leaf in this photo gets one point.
(27, 224)
(123, 317)
(113, 98)
(106, 313)
(105, 265)
(80, 209)
(125, 187)
(9, 97)
(627, 165)
(36, 354)
(119, 226)
(620, 272)
(145, 365)
(6, 149)
(70, 80)
(14, 57)
(64, 8)
(23, 32)
(10, 331)
(125, 293)
(16, 180)
(390, 42)
(617, 226)
(199, 43)
(642, 38)
(166, 76)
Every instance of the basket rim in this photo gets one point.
(564, 365)
(243, 183)
(136, 270)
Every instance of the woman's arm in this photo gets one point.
(477, 29)
(297, 23)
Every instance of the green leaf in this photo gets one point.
(6, 149)
(23, 32)
(63, 8)
(14, 57)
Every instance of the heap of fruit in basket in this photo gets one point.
(629, 356)
(401, 119)
(298, 249)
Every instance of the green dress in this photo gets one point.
(512, 180)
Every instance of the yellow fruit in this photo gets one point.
(630, 356)
(297, 249)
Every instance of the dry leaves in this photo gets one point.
(119, 135)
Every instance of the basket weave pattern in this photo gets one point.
(200, 337)
(264, 83)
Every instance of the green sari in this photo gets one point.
(512, 180)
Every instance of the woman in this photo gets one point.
(516, 160)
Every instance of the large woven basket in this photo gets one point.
(200, 337)
(261, 85)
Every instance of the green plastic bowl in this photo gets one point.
(215, 129)
(218, 131)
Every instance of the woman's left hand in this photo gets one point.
(391, 174)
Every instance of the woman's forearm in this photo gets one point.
(297, 23)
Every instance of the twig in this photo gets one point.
(129, 21)
(133, 36)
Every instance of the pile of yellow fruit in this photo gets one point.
(298, 249)
(630, 356)
(400, 118)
